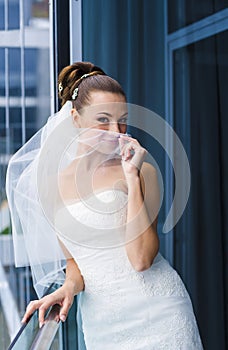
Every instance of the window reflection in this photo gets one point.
(40, 8)
(185, 12)
(24, 107)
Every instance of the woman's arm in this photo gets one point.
(142, 242)
(64, 296)
(74, 278)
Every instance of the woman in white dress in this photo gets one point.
(131, 298)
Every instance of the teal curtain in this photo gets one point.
(201, 241)
(126, 38)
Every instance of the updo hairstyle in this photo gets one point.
(71, 77)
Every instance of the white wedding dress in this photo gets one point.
(123, 309)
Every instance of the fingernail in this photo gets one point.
(63, 318)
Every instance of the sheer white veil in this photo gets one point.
(33, 195)
(35, 240)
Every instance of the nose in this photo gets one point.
(114, 127)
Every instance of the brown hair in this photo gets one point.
(71, 77)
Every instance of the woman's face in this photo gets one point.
(107, 111)
(101, 122)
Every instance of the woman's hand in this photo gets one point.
(64, 296)
(133, 155)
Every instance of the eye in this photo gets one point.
(104, 120)
(123, 120)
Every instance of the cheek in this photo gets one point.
(101, 127)
(87, 122)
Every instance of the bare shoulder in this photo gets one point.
(66, 183)
(148, 169)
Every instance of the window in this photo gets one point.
(24, 108)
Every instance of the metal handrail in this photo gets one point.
(45, 335)
(47, 332)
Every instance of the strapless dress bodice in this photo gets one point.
(102, 256)
(120, 307)
(97, 221)
(106, 209)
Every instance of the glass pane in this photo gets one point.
(15, 128)
(31, 71)
(184, 12)
(3, 160)
(14, 14)
(35, 108)
(2, 132)
(200, 90)
(40, 9)
(37, 89)
(27, 335)
(15, 74)
(33, 10)
(2, 122)
(2, 75)
(2, 15)
(200, 115)
(31, 118)
(4, 336)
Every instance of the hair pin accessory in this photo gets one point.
(60, 87)
(85, 76)
(75, 93)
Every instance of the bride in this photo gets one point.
(103, 207)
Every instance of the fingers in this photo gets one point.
(126, 146)
(42, 311)
(123, 141)
(132, 151)
(31, 308)
(44, 304)
(65, 309)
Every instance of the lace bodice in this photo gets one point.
(105, 267)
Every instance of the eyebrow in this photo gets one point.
(110, 115)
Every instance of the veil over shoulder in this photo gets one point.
(34, 238)
(32, 186)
